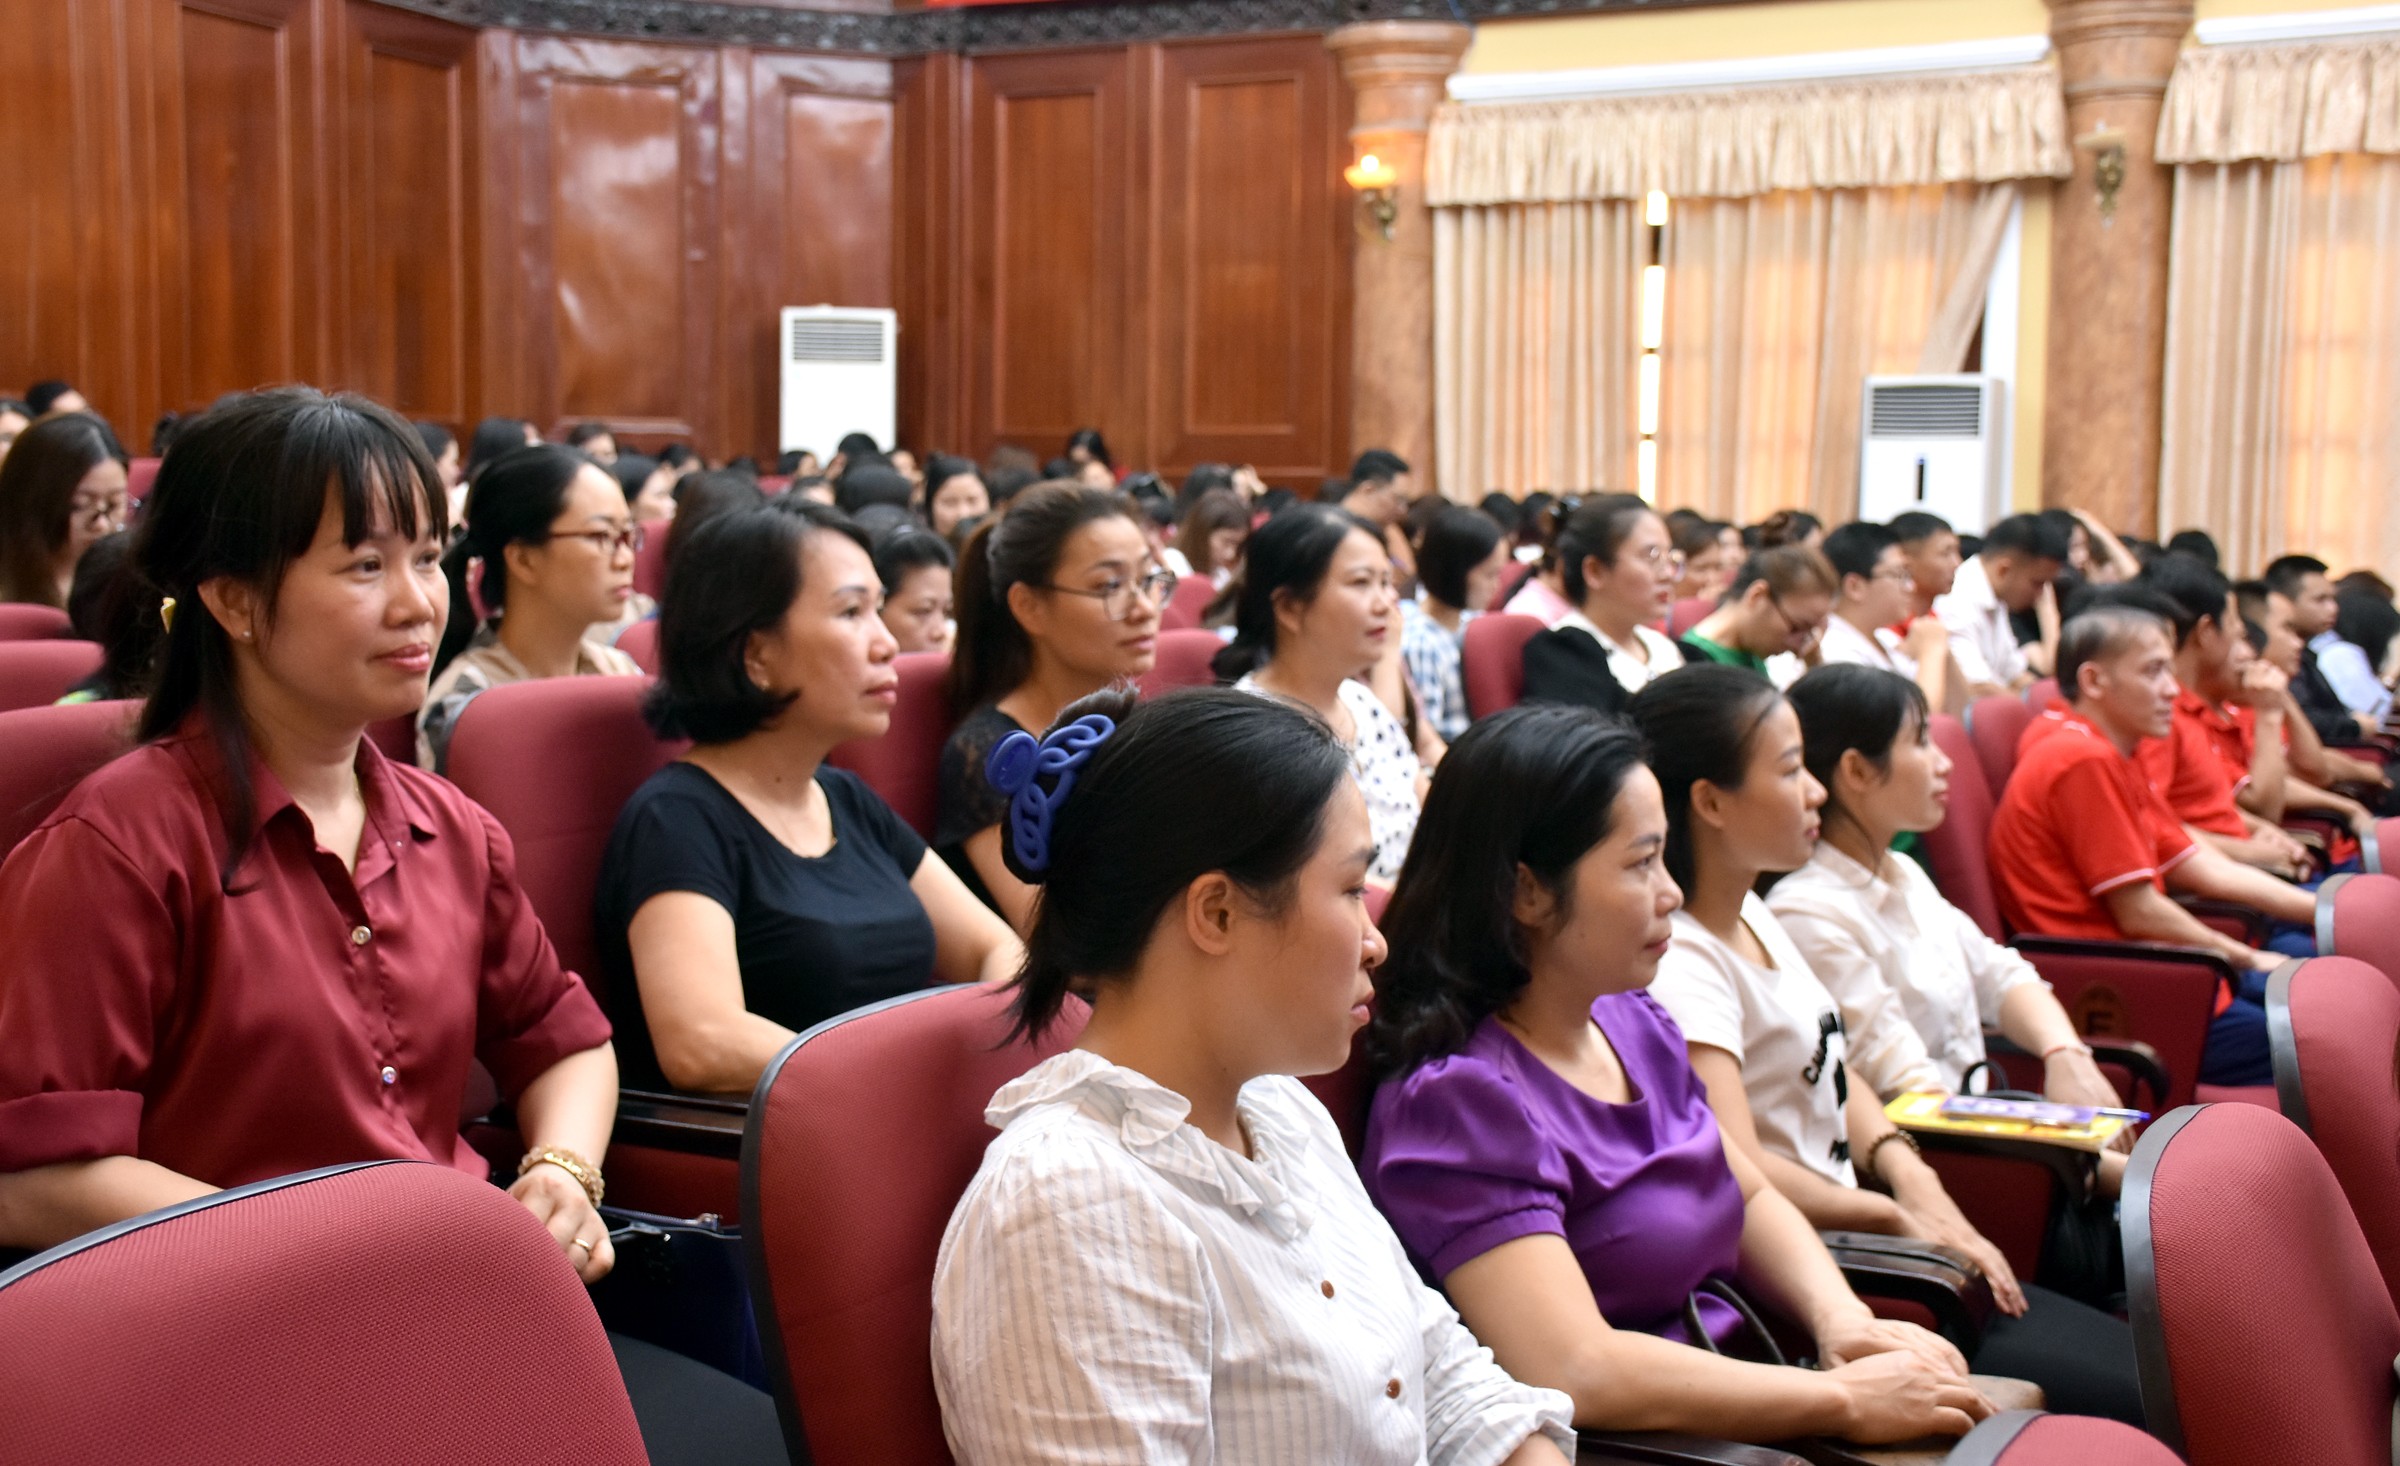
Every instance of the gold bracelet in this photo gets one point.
(585, 1173)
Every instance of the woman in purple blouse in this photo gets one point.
(1541, 1144)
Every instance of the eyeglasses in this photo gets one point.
(605, 541)
(82, 506)
(1903, 575)
(1116, 597)
(1797, 636)
(1662, 560)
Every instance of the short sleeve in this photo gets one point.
(1701, 994)
(1883, 1046)
(2111, 846)
(1456, 1163)
(530, 1012)
(671, 838)
(859, 810)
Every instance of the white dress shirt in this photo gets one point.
(2344, 664)
(1115, 1287)
(1632, 673)
(1917, 979)
(1980, 636)
(1846, 643)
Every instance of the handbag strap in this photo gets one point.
(1725, 1293)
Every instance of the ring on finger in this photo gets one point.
(579, 1242)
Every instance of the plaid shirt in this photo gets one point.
(1430, 652)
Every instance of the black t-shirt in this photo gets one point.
(1568, 665)
(969, 803)
(816, 937)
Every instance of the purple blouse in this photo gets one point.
(1489, 1145)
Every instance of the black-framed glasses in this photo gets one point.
(107, 506)
(606, 541)
(1796, 635)
(1116, 597)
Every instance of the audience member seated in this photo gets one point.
(554, 545)
(2083, 846)
(649, 486)
(1165, 1254)
(2267, 617)
(1208, 540)
(1381, 487)
(51, 397)
(1459, 561)
(594, 441)
(750, 891)
(494, 437)
(443, 449)
(62, 487)
(915, 566)
(1791, 527)
(110, 605)
(2017, 562)
(1772, 618)
(954, 493)
(1930, 548)
(871, 480)
(1056, 599)
(15, 418)
(1539, 1140)
(1918, 982)
(1876, 587)
(1768, 1041)
(1314, 614)
(1086, 445)
(2358, 661)
(1618, 568)
(1706, 572)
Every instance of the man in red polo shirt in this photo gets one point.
(2082, 845)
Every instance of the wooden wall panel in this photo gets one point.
(929, 257)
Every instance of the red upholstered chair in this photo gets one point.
(862, 1136)
(1688, 613)
(25, 621)
(650, 561)
(640, 642)
(1997, 724)
(46, 751)
(2041, 694)
(140, 474)
(1958, 845)
(2255, 1338)
(36, 673)
(392, 1310)
(904, 765)
(2359, 916)
(1184, 659)
(1193, 593)
(2333, 1024)
(2031, 1438)
(1491, 661)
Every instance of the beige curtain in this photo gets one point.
(2230, 104)
(1534, 336)
(2282, 412)
(1779, 306)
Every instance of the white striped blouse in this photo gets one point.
(1116, 1287)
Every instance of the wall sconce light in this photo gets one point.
(1378, 186)
(2107, 147)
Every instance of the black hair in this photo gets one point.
(787, 462)
(38, 480)
(1847, 705)
(2105, 628)
(676, 455)
(1787, 527)
(940, 468)
(515, 503)
(878, 520)
(853, 445)
(1917, 525)
(584, 432)
(1214, 510)
(1090, 441)
(2283, 573)
(993, 656)
(1854, 548)
(44, 395)
(1062, 470)
(2029, 535)
(1004, 481)
(1456, 541)
(493, 438)
(1535, 786)
(1288, 555)
(871, 481)
(2364, 582)
(1699, 722)
(107, 605)
(1596, 530)
(241, 497)
(737, 575)
(21, 409)
(2197, 544)
(1503, 511)
(2194, 591)
(1242, 781)
(2368, 622)
(909, 547)
(1275, 500)
(1377, 466)
(437, 439)
(1789, 569)
(699, 498)
(1692, 534)
(1203, 478)
(632, 470)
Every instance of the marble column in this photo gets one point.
(2108, 302)
(1395, 70)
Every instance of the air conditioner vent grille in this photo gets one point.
(1928, 411)
(837, 340)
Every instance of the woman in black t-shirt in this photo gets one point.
(749, 891)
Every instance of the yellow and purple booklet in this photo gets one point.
(2080, 1126)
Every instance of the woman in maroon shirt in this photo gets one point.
(254, 946)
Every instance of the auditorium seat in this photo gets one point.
(2359, 916)
(639, 641)
(26, 621)
(140, 474)
(2333, 1025)
(863, 1133)
(2383, 835)
(390, 1311)
(2041, 694)
(1688, 613)
(1491, 661)
(1183, 660)
(1997, 724)
(36, 673)
(650, 561)
(904, 765)
(1183, 610)
(2258, 1331)
(2032, 1438)
(46, 751)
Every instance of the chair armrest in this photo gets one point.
(2163, 995)
(1665, 1448)
(1941, 1280)
(2242, 923)
(2133, 1056)
(693, 1124)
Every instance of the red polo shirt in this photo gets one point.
(309, 1016)
(2079, 820)
(2188, 767)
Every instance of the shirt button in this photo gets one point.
(359, 936)
(1326, 1287)
(1391, 1389)
(390, 1075)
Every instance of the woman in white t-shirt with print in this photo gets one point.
(1767, 1038)
(1313, 615)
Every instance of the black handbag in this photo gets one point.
(682, 1284)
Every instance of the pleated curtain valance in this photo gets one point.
(2231, 104)
(1878, 132)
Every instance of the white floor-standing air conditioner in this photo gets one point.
(1934, 444)
(840, 375)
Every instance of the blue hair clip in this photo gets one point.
(1015, 766)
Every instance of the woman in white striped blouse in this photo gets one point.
(1166, 1256)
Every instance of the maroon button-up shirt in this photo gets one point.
(310, 1016)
